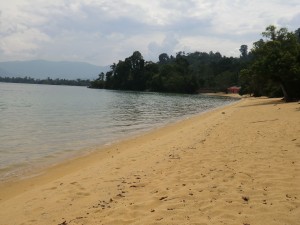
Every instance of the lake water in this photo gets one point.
(41, 124)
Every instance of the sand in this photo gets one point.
(235, 165)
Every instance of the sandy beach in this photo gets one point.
(239, 164)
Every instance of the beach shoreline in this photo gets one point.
(37, 134)
(223, 94)
(39, 166)
(238, 164)
(37, 172)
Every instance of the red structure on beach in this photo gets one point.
(233, 90)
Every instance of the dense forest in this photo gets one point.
(29, 80)
(183, 73)
(270, 68)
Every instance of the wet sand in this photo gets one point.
(234, 165)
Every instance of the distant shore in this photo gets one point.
(238, 164)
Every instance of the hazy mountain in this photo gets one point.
(41, 69)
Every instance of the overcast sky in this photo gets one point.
(103, 31)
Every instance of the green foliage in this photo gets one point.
(244, 51)
(98, 83)
(297, 33)
(225, 79)
(270, 68)
(275, 65)
(185, 73)
(164, 58)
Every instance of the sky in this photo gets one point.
(102, 32)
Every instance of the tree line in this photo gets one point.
(49, 81)
(183, 73)
(271, 68)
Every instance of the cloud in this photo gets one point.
(167, 45)
(104, 31)
(291, 23)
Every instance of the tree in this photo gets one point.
(101, 76)
(136, 65)
(251, 83)
(150, 71)
(244, 51)
(277, 59)
(224, 80)
(297, 33)
(163, 58)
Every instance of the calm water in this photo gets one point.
(41, 123)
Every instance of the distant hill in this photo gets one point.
(41, 69)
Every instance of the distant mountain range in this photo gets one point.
(41, 69)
